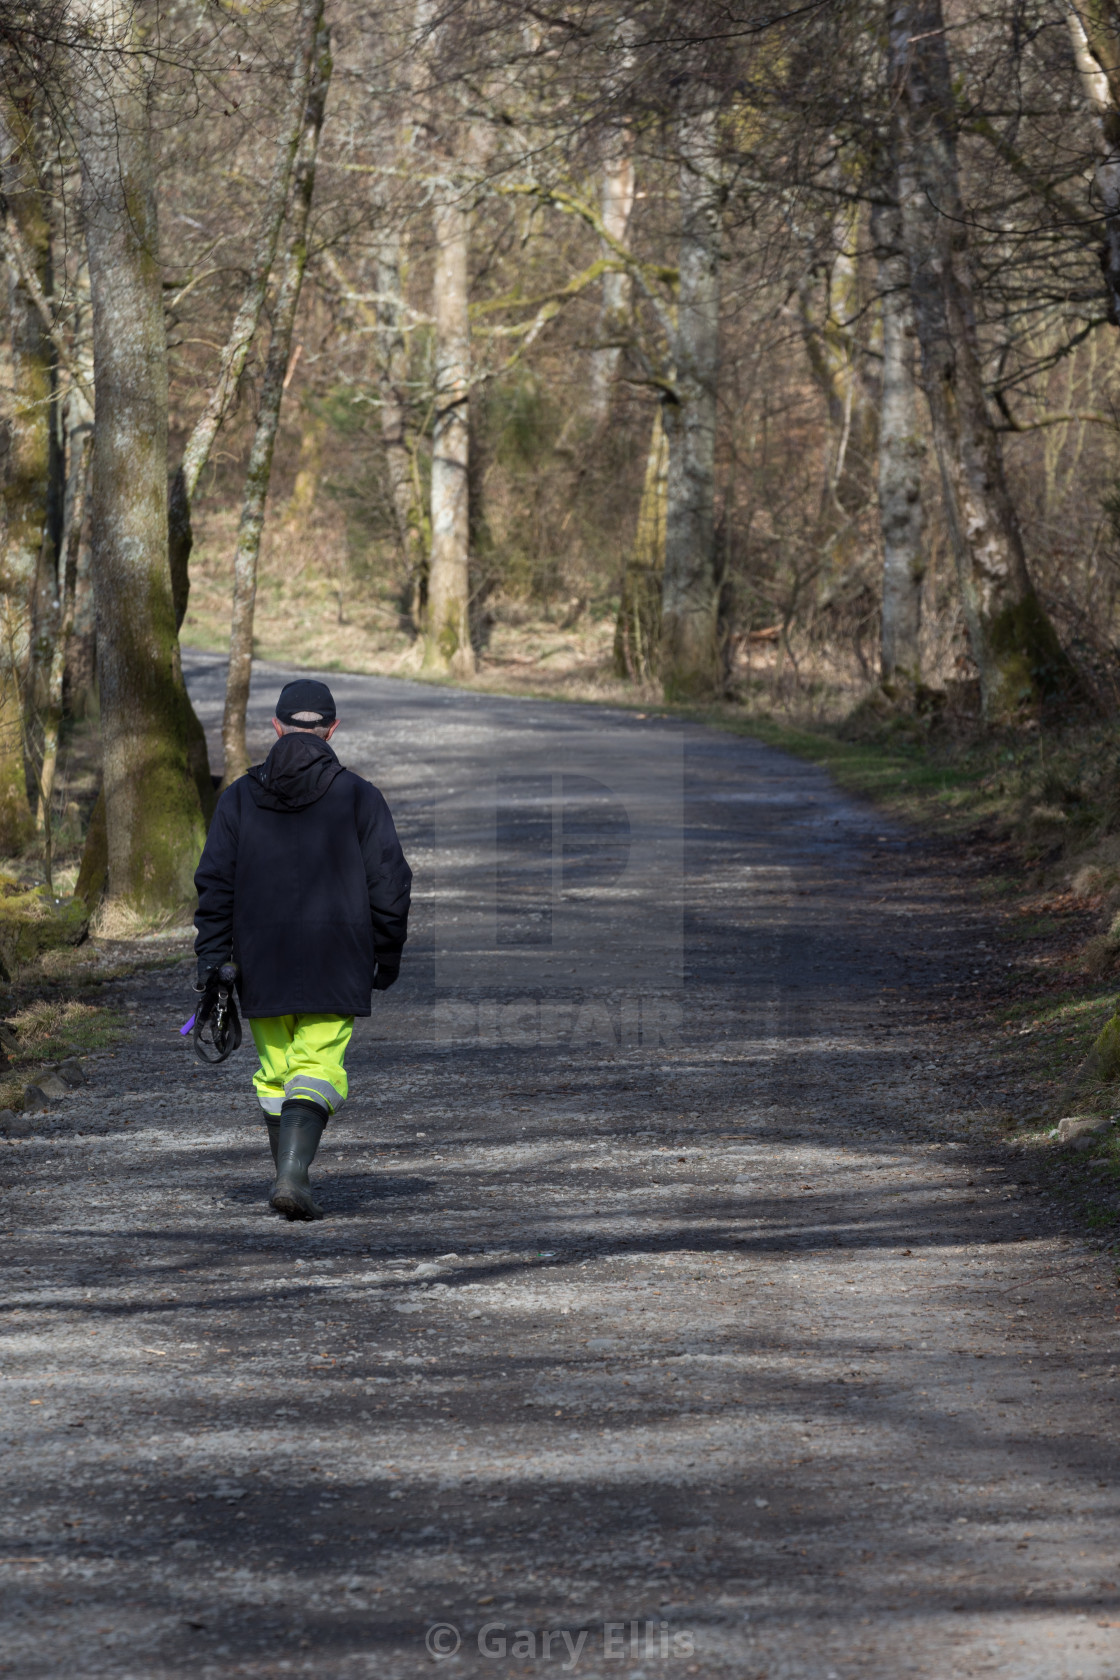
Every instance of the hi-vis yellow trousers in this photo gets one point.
(301, 1058)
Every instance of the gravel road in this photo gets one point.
(668, 1319)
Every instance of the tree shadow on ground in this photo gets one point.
(345, 1192)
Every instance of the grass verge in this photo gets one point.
(58, 1005)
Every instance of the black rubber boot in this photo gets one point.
(272, 1121)
(301, 1127)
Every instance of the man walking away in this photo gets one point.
(304, 886)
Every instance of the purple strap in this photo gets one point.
(187, 1027)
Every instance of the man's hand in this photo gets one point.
(217, 1010)
(384, 976)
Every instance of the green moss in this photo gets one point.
(1028, 663)
(33, 922)
(1106, 1050)
(94, 871)
(16, 822)
(691, 671)
(154, 807)
(165, 845)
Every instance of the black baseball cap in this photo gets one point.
(303, 696)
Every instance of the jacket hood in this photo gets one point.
(298, 771)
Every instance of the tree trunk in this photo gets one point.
(447, 636)
(1013, 642)
(81, 662)
(616, 202)
(396, 437)
(1096, 50)
(78, 415)
(835, 362)
(268, 420)
(386, 318)
(154, 819)
(25, 463)
(690, 662)
(638, 628)
(77, 495)
(901, 451)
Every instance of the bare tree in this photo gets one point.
(1094, 27)
(447, 636)
(1013, 643)
(394, 408)
(901, 451)
(638, 626)
(268, 418)
(235, 352)
(690, 660)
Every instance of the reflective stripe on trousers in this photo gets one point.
(301, 1057)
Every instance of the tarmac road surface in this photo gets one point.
(668, 1318)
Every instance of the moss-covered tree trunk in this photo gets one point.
(25, 433)
(901, 450)
(154, 819)
(1013, 643)
(690, 662)
(268, 418)
(447, 636)
(637, 631)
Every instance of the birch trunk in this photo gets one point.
(268, 419)
(690, 662)
(616, 202)
(638, 628)
(154, 820)
(1013, 643)
(447, 636)
(1096, 50)
(901, 451)
(81, 655)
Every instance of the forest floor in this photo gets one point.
(699, 1293)
(309, 599)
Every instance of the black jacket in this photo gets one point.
(304, 884)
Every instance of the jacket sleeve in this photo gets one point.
(388, 877)
(213, 881)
